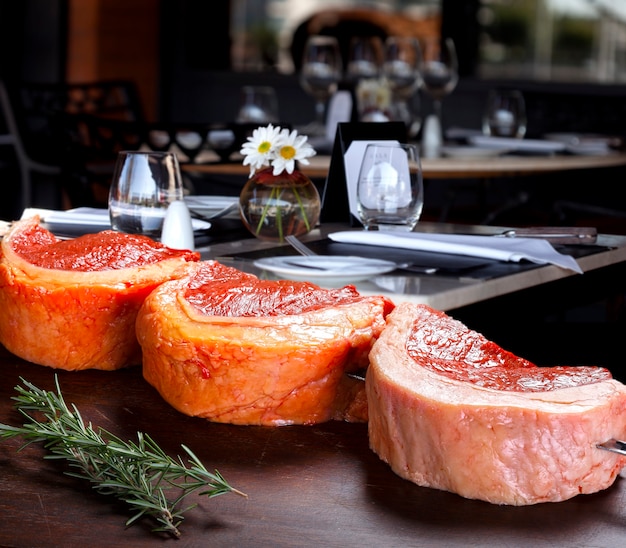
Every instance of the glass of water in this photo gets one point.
(505, 114)
(143, 186)
(390, 189)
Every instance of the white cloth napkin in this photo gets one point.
(535, 250)
(88, 217)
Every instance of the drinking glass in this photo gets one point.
(143, 186)
(390, 190)
(258, 105)
(505, 114)
(440, 71)
(320, 75)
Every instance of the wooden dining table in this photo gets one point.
(446, 167)
(316, 485)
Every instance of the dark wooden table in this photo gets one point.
(307, 486)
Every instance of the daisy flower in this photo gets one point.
(289, 149)
(260, 148)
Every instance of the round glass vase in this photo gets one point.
(275, 206)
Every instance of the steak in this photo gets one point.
(451, 410)
(230, 347)
(72, 304)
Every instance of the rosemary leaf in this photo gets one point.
(137, 473)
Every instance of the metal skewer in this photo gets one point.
(613, 445)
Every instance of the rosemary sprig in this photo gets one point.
(138, 473)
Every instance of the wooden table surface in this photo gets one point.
(450, 168)
(306, 486)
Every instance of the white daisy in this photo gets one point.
(260, 148)
(289, 149)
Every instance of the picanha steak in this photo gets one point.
(451, 410)
(72, 304)
(229, 347)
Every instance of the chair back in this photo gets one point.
(34, 118)
(37, 106)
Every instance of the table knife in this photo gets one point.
(555, 234)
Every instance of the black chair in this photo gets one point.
(33, 110)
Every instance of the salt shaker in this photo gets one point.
(177, 231)
(432, 138)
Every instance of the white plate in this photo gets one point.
(579, 138)
(469, 152)
(524, 145)
(212, 207)
(589, 149)
(461, 134)
(583, 143)
(327, 268)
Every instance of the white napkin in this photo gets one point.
(88, 217)
(535, 250)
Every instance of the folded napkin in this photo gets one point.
(86, 217)
(90, 217)
(488, 247)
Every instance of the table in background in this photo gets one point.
(452, 181)
(449, 168)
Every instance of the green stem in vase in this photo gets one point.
(275, 195)
(302, 208)
(279, 216)
(274, 201)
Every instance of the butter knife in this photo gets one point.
(555, 234)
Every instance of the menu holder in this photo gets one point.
(335, 202)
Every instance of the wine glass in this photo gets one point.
(143, 186)
(390, 189)
(440, 71)
(364, 59)
(320, 75)
(403, 58)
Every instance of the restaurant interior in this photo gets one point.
(257, 379)
(181, 64)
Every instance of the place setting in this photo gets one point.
(146, 188)
(385, 194)
(503, 132)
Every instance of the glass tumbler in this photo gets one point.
(143, 186)
(390, 189)
(505, 114)
(259, 105)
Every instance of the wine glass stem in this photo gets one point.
(320, 111)
(437, 109)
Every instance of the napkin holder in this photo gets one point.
(335, 203)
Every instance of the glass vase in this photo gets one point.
(275, 206)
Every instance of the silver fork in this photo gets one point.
(299, 246)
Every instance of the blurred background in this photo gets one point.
(190, 59)
(187, 56)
